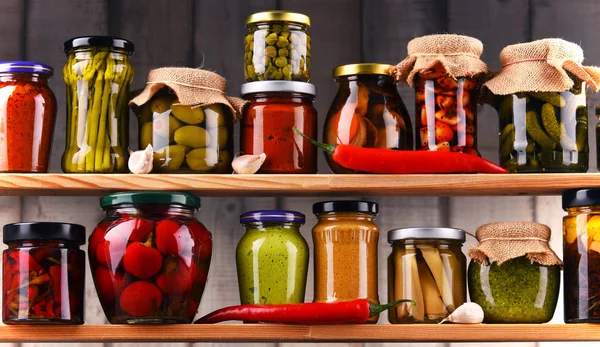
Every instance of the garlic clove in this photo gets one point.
(467, 313)
(248, 164)
(140, 162)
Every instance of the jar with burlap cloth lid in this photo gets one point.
(187, 118)
(540, 95)
(514, 275)
(446, 71)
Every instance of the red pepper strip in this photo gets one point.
(55, 274)
(389, 161)
(355, 311)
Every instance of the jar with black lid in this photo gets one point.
(43, 273)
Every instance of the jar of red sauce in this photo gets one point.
(275, 108)
(27, 115)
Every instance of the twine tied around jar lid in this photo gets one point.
(458, 55)
(548, 65)
(500, 242)
(193, 87)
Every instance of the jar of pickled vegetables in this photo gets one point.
(277, 47)
(27, 112)
(43, 273)
(150, 257)
(581, 255)
(272, 258)
(275, 108)
(367, 111)
(345, 245)
(97, 75)
(427, 266)
(186, 139)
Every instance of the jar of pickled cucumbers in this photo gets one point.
(427, 266)
(186, 139)
(277, 47)
(367, 111)
(97, 77)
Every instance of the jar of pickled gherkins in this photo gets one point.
(427, 266)
(275, 108)
(367, 111)
(277, 47)
(97, 75)
(43, 273)
(540, 94)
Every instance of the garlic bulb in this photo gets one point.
(140, 162)
(248, 164)
(467, 313)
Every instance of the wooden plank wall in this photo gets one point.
(208, 33)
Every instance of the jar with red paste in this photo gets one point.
(27, 115)
(150, 257)
(275, 108)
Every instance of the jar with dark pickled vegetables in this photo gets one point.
(150, 257)
(186, 139)
(277, 47)
(275, 108)
(27, 115)
(97, 75)
(367, 111)
(43, 275)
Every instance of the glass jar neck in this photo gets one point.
(264, 225)
(283, 25)
(383, 81)
(346, 216)
(43, 243)
(24, 76)
(152, 210)
(281, 97)
(99, 48)
(582, 209)
(433, 242)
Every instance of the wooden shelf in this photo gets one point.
(300, 185)
(301, 333)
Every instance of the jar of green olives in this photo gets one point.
(277, 47)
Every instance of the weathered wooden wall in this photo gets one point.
(209, 33)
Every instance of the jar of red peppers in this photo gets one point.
(150, 257)
(27, 115)
(275, 108)
(43, 273)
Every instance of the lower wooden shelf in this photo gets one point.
(302, 333)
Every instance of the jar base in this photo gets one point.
(38, 321)
(152, 321)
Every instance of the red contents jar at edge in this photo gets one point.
(150, 257)
(275, 108)
(27, 115)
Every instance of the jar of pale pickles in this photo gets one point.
(277, 47)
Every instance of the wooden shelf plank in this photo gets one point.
(299, 185)
(302, 333)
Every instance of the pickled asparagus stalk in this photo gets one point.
(434, 306)
(94, 120)
(434, 262)
(100, 145)
(414, 285)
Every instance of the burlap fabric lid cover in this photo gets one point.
(542, 66)
(459, 55)
(500, 242)
(193, 87)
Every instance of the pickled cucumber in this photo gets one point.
(187, 114)
(169, 158)
(554, 98)
(537, 134)
(202, 159)
(192, 136)
(550, 123)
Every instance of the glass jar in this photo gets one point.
(544, 132)
(43, 273)
(427, 266)
(277, 47)
(345, 245)
(27, 116)
(581, 255)
(367, 111)
(97, 75)
(150, 257)
(446, 112)
(185, 139)
(275, 108)
(272, 258)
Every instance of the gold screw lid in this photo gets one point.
(278, 16)
(362, 69)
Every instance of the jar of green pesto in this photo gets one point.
(272, 258)
(514, 275)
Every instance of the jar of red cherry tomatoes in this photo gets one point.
(43, 273)
(150, 257)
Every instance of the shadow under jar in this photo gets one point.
(150, 257)
(367, 111)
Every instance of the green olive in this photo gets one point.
(202, 159)
(219, 136)
(145, 114)
(187, 114)
(224, 163)
(169, 158)
(161, 104)
(215, 116)
(149, 136)
(192, 136)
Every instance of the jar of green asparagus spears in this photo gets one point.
(540, 95)
(97, 76)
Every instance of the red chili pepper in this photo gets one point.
(55, 274)
(355, 311)
(166, 238)
(389, 161)
(140, 299)
(141, 259)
